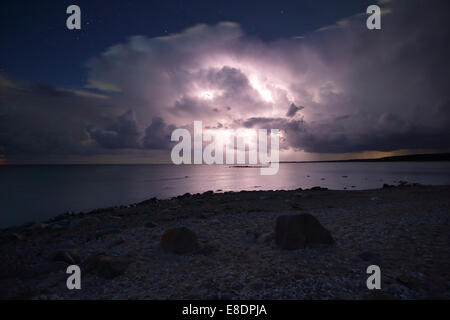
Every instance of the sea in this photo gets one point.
(34, 193)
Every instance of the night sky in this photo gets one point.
(37, 46)
(114, 90)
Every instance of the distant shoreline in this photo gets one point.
(432, 157)
(435, 157)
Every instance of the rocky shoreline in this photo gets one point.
(235, 251)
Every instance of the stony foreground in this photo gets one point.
(405, 230)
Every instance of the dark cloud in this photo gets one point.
(121, 134)
(293, 110)
(158, 134)
(41, 119)
(364, 89)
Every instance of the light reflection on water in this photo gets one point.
(33, 193)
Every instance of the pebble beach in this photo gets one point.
(405, 230)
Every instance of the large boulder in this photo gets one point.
(301, 230)
(107, 267)
(111, 267)
(179, 241)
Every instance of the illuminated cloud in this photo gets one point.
(343, 89)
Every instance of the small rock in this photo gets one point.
(111, 267)
(106, 267)
(301, 230)
(179, 241)
(92, 262)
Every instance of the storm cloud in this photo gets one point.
(342, 88)
(293, 110)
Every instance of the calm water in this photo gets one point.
(34, 193)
